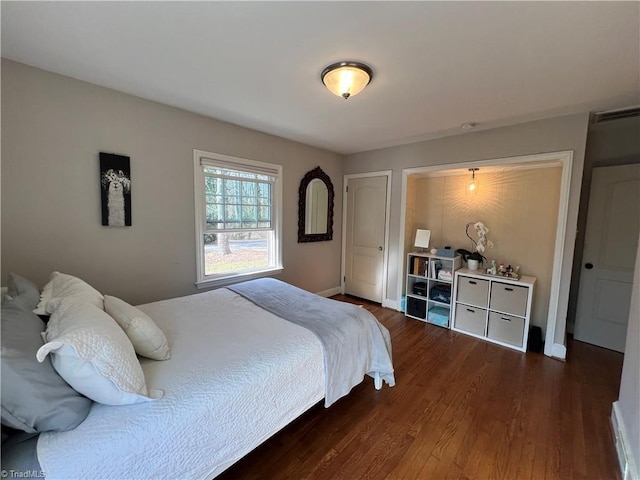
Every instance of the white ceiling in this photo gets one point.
(257, 64)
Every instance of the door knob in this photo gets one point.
(588, 266)
(380, 248)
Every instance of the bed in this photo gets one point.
(245, 361)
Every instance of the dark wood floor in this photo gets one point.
(461, 408)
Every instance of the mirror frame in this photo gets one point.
(302, 207)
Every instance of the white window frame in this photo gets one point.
(205, 281)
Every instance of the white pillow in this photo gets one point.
(63, 285)
(146, 337)
(92, 353)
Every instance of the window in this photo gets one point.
(238, 217)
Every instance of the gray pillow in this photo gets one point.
(19, 453)
(34, 397)
(23, 290)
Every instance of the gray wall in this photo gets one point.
(53, 128)
(557, 134)
(616, 142)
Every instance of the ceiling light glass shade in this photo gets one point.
(346, 79)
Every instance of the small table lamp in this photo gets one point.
(422, 239)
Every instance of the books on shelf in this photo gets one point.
(436, 267)
(420, 265)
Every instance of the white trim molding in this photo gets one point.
(558, 351)
(330, 292)
(558, 258)
(628, 464)
(391, 304)
(242, 277)
(202, 158)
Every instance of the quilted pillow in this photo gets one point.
(92, 353)
(62, 285)
(34, 397)
(146, 337)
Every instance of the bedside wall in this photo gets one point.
(53, 128)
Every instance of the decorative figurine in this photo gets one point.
(492, 270)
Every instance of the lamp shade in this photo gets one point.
(346, 79)
(422, 238)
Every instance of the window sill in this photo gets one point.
(235, 278)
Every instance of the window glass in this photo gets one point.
(237, 220)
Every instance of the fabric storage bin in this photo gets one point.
(506, 328)
(470, 319)
(440, 293)
(473, 291)
(439, 316)
(509, 298)
(417, 307)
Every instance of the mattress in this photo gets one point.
(237, 375)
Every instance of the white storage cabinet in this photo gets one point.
(496, 309)
(425, 272)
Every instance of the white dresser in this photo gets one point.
(496, 309)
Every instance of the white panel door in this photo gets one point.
(366, 211)
(611, 239)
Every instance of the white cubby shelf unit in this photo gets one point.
(495, 309)
(429, 287)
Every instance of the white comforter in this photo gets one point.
(231, 362)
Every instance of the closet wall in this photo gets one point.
(519, 206)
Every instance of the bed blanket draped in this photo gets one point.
(353, 340)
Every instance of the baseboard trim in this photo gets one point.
(626, 461)
(390, 304)
(556, 350)
(331, 292)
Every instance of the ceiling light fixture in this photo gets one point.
(472, 186)
(346, 79)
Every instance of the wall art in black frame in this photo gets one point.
(115, 190)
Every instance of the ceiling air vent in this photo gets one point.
(616, 114)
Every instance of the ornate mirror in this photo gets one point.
(315, 207)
